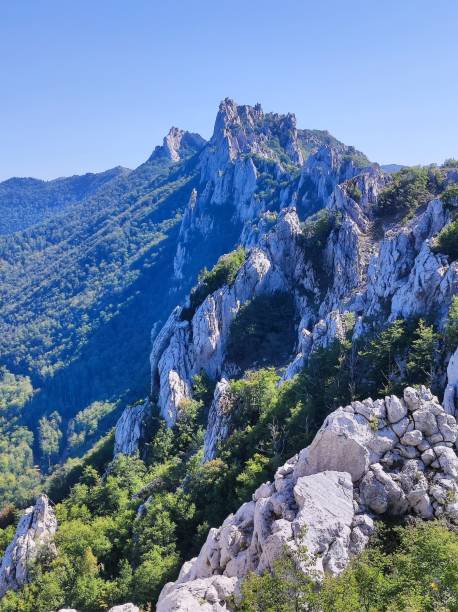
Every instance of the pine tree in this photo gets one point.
(420, 364)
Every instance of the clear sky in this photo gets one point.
(89, 84)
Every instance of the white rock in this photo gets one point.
(451, 391)
(129, 428)
(34, 533)
(325, 503)
(412, 438)
(219, 419)
(395, 408)
(313, 504)
(381, 494)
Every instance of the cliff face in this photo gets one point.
(34, 535)
(255, 166)
(256, 189)
(348, 274)
(386, 457)
(254, 162)
(375, 280)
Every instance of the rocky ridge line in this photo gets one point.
(365, 275)
(369, 459)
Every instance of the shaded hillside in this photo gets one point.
(27, 201)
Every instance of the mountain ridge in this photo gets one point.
(282, 280)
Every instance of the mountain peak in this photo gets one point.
(178, 144)
(247, 130)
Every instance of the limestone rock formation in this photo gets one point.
(175, 144)
(392, 456)
(185, 348)
(451, 391)
(34, 535)
(130, 427)
(218, 420)
(371, 281)
(128, 607)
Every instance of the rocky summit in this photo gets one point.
(231, 374)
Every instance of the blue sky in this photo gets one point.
(90, 84)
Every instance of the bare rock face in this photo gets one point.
(129, 428)
(398, 276)
(451, 391)
(183, 348)
(206, 594)
(175, 143)
(128, 607)
(328, 167)
(392, 456)
(34, 535)
(218, 420)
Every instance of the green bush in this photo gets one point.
(263, 331)
(353, 191)
(317, 228)
(451, 328)
(315, 233)
(423, 350)
(447, 241)
(407, 568)
(450, 163)
(450, 195)
(223, 273)
(409, 189)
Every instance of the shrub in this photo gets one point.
(316, 231)
(450, 195)
(406, 568)
(286, 589)
(451, 328)
(410, 188)
(263, 331)
(421, 573)
(450, 163)
(223, 273)
(447, 241)
(420, 364)
(317, 228)
(353, 191)
(253, 475)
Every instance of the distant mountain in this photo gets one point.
(392, 168)
(27, 201)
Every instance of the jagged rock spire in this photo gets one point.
(34, 534)
(177, 144)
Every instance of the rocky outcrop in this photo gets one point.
(249, 168)
(365, 281)
(130, 428)
(451, 390)
(184, 348)
(358, 278)
(177, 144)
(128, 607)
(34, 535)
(218, 419)
(392, 456)
(321, 173)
